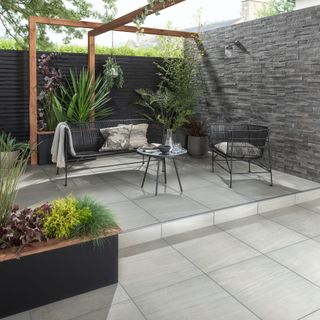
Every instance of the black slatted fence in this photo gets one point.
(139, 72)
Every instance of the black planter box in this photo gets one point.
(46, 277)
(44, 147)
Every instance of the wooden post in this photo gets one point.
(91, 55)
(33, 89)
(92, 64)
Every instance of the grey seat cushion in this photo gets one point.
(239, 149)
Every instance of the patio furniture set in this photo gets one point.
(227, 143)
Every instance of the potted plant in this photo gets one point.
(172, 104)
(112, 74)
(198, 138)
(61, 249)
(10, 150)
(164, 109)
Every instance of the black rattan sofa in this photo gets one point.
(240, 142)
(87, 140)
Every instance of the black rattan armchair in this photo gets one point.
(244, 142)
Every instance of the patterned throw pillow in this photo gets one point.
(138, 134)
(116, 138)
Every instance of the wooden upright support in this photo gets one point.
(33, 88)
(91, 55)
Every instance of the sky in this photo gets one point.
(182, 15)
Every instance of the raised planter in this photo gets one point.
(45, 139)
(198, 146)
(55, 270)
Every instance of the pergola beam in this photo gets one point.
(159, 32)
(128, 18)
(93, 25)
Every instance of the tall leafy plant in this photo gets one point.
(163, 108)
(81, 98)
(172, 104)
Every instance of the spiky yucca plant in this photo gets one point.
(81, 98)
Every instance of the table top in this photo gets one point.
(156, 153)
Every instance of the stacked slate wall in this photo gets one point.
(277, 83)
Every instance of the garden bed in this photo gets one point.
(50, 271)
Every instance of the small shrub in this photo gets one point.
(65, 217)
(23, 227)
(101, 218)
(198, 128)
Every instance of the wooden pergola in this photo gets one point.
(119, 24)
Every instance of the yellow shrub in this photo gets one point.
(65, 217)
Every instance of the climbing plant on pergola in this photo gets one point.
(119, 24)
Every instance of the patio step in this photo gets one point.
(210, 218)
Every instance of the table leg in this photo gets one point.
(157, 181)
(164, 169)
(175, 166)
(145, 173)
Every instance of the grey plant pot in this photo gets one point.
(198, 146)
(8, 159)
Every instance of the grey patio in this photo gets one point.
(260, 267)
(133, 207)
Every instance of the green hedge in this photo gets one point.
(155, 51)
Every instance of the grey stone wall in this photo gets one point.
(276, 84)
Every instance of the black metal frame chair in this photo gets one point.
(87, 140)
(240, 142)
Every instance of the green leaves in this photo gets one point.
(112, 74)
(173, 103)
(140, 19)
(164, 107)
(81, 98)
(275, 7)
(14, 17)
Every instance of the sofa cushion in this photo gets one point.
(240, 149)
(116, 138)
(138, 134)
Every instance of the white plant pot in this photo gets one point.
(114, 73)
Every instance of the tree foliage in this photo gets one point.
(14, 16)
(275, 7)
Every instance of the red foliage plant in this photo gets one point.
(23, 227)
